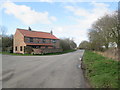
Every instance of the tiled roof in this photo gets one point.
(48, 44)
(37, 34)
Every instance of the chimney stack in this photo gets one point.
(51, 32)
(29, 29)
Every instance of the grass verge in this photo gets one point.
(58, 53)
(101, 71)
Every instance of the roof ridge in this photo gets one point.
(33, 31)
(40, 34)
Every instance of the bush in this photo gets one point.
(10, 49)
(67, 44)
(7, 43)
(28, 49)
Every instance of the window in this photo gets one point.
(31, 39)
(37, 46)
(16, 48)
(43, 40)
(26, 39)
(54, 41)
(20, 48)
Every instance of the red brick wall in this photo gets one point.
(57, 44)
(18, 41)
(46, 50)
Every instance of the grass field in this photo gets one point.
(101, 71)
(67, 51)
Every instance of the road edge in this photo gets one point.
(83, 67)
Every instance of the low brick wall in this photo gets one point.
(37, 51)
(50, 50)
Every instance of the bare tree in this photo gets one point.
(118, 29)
(106, 30)
(67, 44)
(3, 30)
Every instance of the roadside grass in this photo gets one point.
(17, 54)
(101, 71)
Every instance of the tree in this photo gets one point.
(73, 45)
(7, 41)
(3, 30)
(67, 44)
(101, 30)
(106, 30)
(64, 44)
(95, 40)
(118, 29)
(84, 45)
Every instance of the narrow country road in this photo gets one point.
(56, 71)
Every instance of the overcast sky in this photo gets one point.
(65, 19)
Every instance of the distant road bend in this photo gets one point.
(56, 71)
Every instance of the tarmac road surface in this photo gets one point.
(55, 71)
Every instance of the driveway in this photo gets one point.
(56, 71)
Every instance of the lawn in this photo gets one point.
(101, 71)
(58, 53)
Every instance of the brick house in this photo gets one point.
(41, 42)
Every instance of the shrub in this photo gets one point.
(28, 49)
(10, 49)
